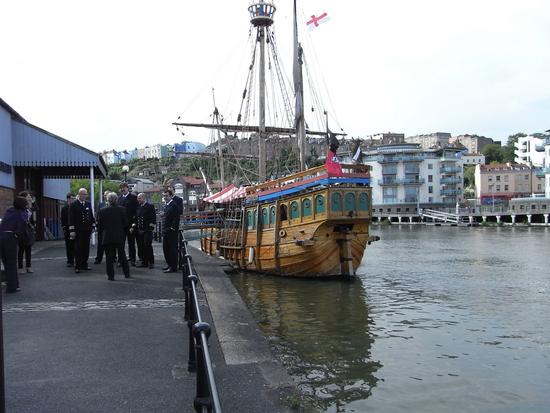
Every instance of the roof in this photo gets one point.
(56, 156)
(12, 112)
(504, 167)
(191, 180)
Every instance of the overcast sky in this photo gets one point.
(117, 73)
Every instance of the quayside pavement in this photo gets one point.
(81, 343)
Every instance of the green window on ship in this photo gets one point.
(336, 202)
(306, 207)
(349, 202)
(319, 204)
(363, 202)
(294, 210)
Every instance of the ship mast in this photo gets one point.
(299, 119)
(261, 16)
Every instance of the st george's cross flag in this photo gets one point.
(315, 21)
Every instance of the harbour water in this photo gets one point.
(439, 319)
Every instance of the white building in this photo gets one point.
(405, 177)
(546, 168)
(526, 150)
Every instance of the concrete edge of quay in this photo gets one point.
(239, 337)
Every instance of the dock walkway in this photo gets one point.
(79, 343)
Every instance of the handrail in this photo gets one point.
(206, 398)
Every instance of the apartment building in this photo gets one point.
(430, 140)
(498, 183)
(530, 150)
(406, 176)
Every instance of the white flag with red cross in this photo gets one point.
(315, 21)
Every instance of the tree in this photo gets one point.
(493, 153)
(469, 176)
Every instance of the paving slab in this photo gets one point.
(80, 343)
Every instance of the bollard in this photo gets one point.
(203, 398)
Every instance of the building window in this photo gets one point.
(506, 187)
(430, 166)
(498, 178)
(505, 178)
(430, 199)
(490, 179)
(543, 206)
(526, 177)
(498, 188)
(533, 206)
(430, 178)
(430, 189)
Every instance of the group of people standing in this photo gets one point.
(121, 219)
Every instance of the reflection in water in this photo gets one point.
(321, 332)
(439, 320)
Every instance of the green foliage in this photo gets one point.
(493, 153)
(469, 176)
(76, 184)
(514, 138)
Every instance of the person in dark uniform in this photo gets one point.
(81, 225)
(112, 225)
(69, 243)
(176, 199)
(146, 219)
(100, 249)
(170, 230)
(179, 203)
(129, 201)
(12, 227)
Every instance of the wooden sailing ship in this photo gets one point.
(314, 223)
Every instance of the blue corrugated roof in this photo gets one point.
(33, 146)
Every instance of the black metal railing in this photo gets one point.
(206, 398)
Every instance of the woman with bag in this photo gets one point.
(11, 228)
(27, 239)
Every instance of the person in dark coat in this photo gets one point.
(179, 203)
(100, 249)
(112, 225)
(176, 199)
(81, 225)
(12, 227)
(129, 201)
(170, 231)
(24, 249)
(69, 243)
(146, 219)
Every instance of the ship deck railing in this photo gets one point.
(296, 182)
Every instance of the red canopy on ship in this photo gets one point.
(227, 194)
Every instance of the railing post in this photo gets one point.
(192, 362)
(203, 398)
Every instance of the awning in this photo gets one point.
(56, 157)
(228, 194)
